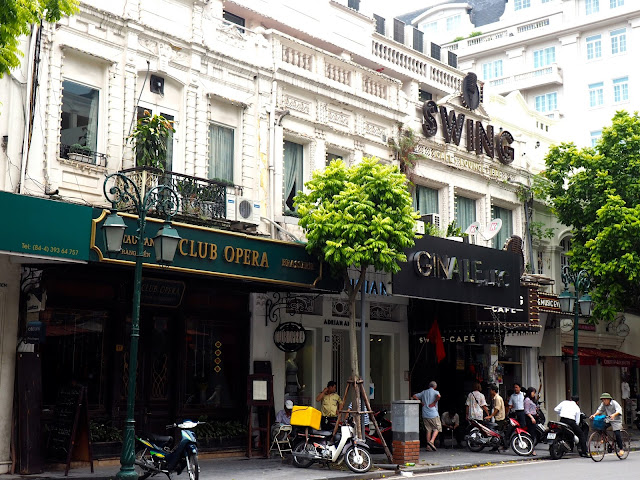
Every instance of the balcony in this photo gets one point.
(83, 155)
(202, 201)
(539, 77)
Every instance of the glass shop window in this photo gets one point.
(298, 367)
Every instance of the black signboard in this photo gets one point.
(289, 336)
(450, 271)
(161, 293)
(69, 437)
(36, 332)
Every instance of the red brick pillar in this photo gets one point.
(406, 433)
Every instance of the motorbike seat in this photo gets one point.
(324, 433)
(563, 425)
(160, 440)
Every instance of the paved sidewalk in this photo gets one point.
(276, 469)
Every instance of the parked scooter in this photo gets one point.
(562, 439)
(154, 454)
(372, 437)
(484, 434)
(311, 446)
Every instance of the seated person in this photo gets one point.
(283, 417)
(451, 422)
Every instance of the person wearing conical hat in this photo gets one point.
(613, 411)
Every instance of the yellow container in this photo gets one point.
(306, 417)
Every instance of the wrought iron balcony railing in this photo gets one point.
(202, 201)
(83, 155)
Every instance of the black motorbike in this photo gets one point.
(156, 454)
(562, 439)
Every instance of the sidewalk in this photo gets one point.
(242, 468)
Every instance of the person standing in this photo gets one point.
(531, 414)
(569, 412)
(330, 403)
(498, 412)
(430, 417)
(516, 403)
(613, 411)
(476, 404)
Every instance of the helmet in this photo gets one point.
(288, 404)
(606, 395)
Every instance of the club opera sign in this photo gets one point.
(449, 271)
(477, 138)
(289, 337)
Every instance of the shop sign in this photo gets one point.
(40, 227)
(289, 336)
(163, 293)
(587, 327)
(219, 253)
(445, 270)
(477, 139)
(456, 338)
(548, 303)
(36, 332)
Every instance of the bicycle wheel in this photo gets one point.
(597, 446)
(626, 445)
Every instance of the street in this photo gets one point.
(567, 469)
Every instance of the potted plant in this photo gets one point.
(106, 439)
(79, 153)
(150, 137)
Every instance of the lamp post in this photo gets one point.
(568, 304)
(166, 201)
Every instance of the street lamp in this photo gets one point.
(568, 304)
(164, 200)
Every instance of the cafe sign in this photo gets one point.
(290, 337)
(218, 253)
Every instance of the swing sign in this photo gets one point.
(290, 336)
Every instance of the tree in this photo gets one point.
(597, 192)
(357, 217)
(16, 18)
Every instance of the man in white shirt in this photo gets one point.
(516, 403)
(569, 412)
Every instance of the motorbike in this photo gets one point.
(484, 434)
(310, 446)
(562, 438)
(372, 437)
(155, 454)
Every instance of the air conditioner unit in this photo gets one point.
(432, 218)
(242, 209)
(419, 227)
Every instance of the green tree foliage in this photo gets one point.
(597, 192)
(355, 218)
(405, 152)
(16, 17)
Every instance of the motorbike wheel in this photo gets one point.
(193, 469)
(473, 440)
(358, 459)
(597, 446)
(301, 447)
(626, 445)
(522, 444)
(556, 451)
(143, 464)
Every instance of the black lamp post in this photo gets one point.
(568, 304)
(164, 200)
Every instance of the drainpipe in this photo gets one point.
(272, 153)
(27, 108)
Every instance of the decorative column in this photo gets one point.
(405, 416)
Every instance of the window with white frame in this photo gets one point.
(596, 94)
(331, 157)
(565, 248)
(596, 135)
(79, 118)
(506, 231)
(221, 152)
(592, 6)
(520, 4)
(547, 102)
(616, 3)
(618, 41)
(293, 179)
(546, 1)
(492, 70)
(425, 200)
(621, 89)
(594, 47)
(544, 57)
(453, 22)
(431, 27)
(465, 212)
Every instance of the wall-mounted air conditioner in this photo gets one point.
(242, 209)
(432, 218)
(419, 227)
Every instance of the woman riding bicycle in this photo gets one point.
(613, 411)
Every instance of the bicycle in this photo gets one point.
(601, 442)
